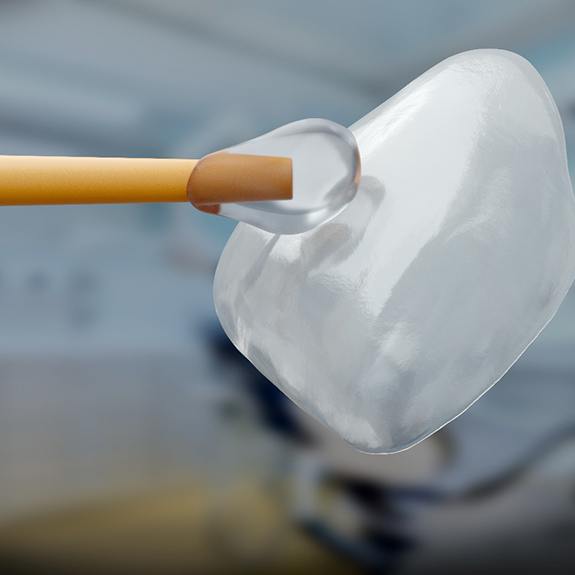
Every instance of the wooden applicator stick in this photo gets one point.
(217, 178)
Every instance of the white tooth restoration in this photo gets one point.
(391, 319)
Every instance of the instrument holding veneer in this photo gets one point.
(287, 181)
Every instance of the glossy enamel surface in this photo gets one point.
(391, 319)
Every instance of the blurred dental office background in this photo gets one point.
(133, 437)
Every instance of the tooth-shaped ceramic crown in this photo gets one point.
(391, 319)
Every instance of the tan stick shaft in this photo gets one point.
(217, 178)
(224, 177)
(26, 180)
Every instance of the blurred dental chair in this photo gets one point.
(372, 508)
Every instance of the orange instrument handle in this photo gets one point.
(221, 177)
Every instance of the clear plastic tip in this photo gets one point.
(326, 172)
